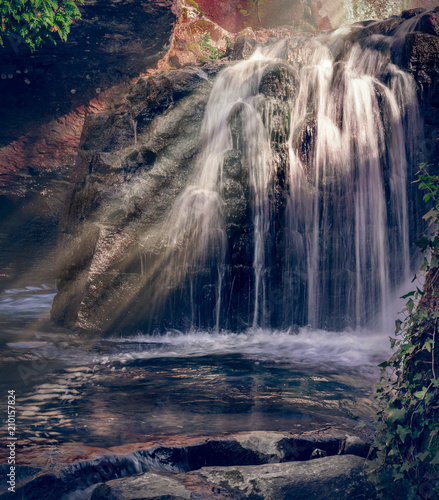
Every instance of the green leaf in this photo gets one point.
(431, 214)
(427, 345)
(420, 394)
(34, 20)
(422, 456)
(405, 467)
(425, 266)
(423, 243)
(402, 432)
(396, 415)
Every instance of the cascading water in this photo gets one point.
(197, 226)
(348, 212)
(326, 159)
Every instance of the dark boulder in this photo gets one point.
(429, 23)
(244, 48)
(408, 14)
(382, 27)
(420, 56)
(280, 81)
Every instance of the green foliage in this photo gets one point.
(209, 51)
(196, 6)
(407, 441)
(37, 21)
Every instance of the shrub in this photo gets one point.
(37, 21)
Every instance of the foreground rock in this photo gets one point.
(229, 463)
(341, 477)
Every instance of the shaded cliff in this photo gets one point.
(49, 94)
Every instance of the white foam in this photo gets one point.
(309, 347)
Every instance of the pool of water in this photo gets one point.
(115, 391)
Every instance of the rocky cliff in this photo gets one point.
(135, 161)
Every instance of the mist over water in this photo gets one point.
(303, 347)
(360, 349)
(26, 303)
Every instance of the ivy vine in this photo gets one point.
(407, 440)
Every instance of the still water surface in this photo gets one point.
(124, 390)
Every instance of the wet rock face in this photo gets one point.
(49, 94)
(132, 166)
(279, 81)
(420, 56)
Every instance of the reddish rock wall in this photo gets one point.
(235, 15)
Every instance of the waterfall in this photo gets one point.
(312, 142)
(352, 229)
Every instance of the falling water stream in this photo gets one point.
(341, 243)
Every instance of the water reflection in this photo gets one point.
(116, 391)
